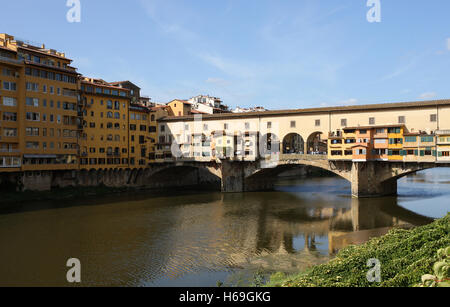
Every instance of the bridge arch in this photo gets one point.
(181, 175)
(316, 144)
(264, 178)
(293, 143)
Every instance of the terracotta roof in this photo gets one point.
(181, 100)
(44, 53)
(342, 109)
(120, 82)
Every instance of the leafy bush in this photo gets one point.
(441, 268)
(405, 255)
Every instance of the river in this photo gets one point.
(200, 238)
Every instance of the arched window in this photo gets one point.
(109, 115)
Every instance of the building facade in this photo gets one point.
(39, 98)
(104, 131)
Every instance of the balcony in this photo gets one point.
(11, 61)
(9, 150)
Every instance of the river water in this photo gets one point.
(198, 239)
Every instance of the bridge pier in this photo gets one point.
(236, 177)
(367, 179)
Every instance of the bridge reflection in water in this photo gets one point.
(193, 239)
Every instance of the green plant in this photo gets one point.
(441, 268)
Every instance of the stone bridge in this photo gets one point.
(368, 179)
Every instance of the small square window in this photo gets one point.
(372, 121)
(401, 120)
(317, 122)
(293, 124)
(433, 118)
(344, 122)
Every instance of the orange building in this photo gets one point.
(104, 140)
(39, 98)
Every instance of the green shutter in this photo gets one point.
(390, 152)
(422, 153)
(434, 153)
(416, 152)
(440, 154)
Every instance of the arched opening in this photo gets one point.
(316, 145)
(293, 143)
(200, 178)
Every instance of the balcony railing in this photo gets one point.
(9, 150)
(9, 60)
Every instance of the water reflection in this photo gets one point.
(198, 239)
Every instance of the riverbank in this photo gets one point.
(405, 256)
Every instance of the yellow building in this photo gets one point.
(179, 107)
(156, 113)
(104, 141)
(395, 136)
(140, 142)
(38, 108)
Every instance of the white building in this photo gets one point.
(207, 104)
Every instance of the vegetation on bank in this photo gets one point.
(405, 256)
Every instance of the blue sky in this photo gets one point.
(277, 54)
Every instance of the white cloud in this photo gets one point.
(349, 102)
(428, 95)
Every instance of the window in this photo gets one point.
(225, 126)
(269, 125)
(33, 102)
(9, 101)
(31, 116)
(247, 126)
(10, 86)
(10, 132)
(427, 139)
(9, 116)
(32, 131)
(401, 119)
(109, 104)
(372, 121)
(293, 124)
(317, 123)
(32, 87)
(433, 118)
(344, 122)
(395, 141)
(410, 139)
(394, 130)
